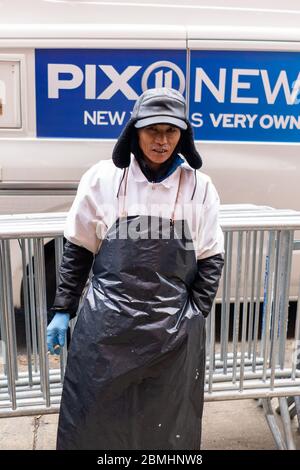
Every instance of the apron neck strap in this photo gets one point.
(122, 200)
(177, 196)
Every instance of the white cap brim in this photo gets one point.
(161, 120)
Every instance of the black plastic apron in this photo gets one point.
(136, 364)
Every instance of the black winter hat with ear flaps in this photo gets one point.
(158, 106)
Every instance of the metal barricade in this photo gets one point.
(254, 357)
(30, 381)
(249, 354)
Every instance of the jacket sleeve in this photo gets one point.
(73, 273)
(210, 239)
(206, 282)
(83, 217)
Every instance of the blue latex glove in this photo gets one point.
(56, 332)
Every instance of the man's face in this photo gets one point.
(158, 142)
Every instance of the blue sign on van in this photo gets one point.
(245, 96)
(233, 95)
(89, 93)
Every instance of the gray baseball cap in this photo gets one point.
(160, 106)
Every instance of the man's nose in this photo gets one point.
(161, 138)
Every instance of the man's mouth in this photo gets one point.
(161, 151)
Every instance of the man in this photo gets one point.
(136, 364)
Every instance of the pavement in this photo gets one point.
(227, 425)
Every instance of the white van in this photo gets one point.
(70, 72)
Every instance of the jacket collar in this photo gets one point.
(139, 176)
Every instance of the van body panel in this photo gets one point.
(39, 174)
(142, 12)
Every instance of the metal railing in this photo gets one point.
(249, 352)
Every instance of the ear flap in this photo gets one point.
(122, 149)
(188, 149)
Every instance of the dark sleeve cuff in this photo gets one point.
(73, 273)
(206, 282)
